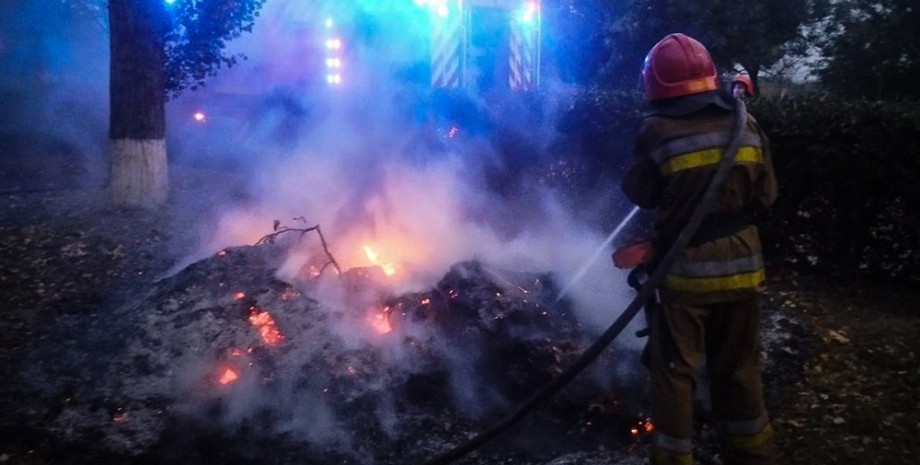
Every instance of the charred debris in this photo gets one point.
(225, 361)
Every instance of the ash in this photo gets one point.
(228, 358)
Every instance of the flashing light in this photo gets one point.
(334, 79)
(329, 23)
(199, 116)
(334, 44)
(169, 2)
(333, 62)
(530, 11)
(438, 7)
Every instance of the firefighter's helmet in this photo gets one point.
(678, 65)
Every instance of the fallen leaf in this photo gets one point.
(838, 337)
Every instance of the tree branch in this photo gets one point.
(279, 230)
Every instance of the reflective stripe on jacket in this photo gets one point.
(674, 163)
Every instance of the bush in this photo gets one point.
(849, 175)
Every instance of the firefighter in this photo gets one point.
(709, 310)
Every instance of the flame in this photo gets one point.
(388, 268)
(264, 322)
(380, 322)
(227, 376)
(239, 295)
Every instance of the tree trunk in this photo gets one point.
(137, 119)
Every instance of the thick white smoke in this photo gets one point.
(354, 169)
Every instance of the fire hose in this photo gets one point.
(644, 294)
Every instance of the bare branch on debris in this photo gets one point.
(279, 230)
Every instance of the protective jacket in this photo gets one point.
(710, 306)
(678, 148)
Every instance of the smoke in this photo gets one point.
(374, 163)
(53, 85)
(381, 163)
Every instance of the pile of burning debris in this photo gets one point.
(336, 364)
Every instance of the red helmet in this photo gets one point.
(678, 65)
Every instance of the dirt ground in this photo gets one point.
(849, 392)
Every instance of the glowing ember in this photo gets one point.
(239, 295)
(264, 322)
(388, 268)
(426, 301)
(380, 322)
(641, 428)
(222, 253)
(237, 352)
(227, 376)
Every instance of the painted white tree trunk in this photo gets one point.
(139, 176)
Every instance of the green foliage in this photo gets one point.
(751, 33)
(872, 48)
(848, 172)
(596, 134)
(196, 37)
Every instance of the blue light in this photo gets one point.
(529, 13)
(169, 2)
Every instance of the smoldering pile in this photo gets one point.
(226, 349)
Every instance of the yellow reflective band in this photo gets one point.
(722, 283)
(748, 442)
(708, 157)
(658, 456)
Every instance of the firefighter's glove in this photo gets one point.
(633, 255)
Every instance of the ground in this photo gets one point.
(848, 391)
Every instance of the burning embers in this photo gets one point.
(641, 428)
(227, 376)
(268, 330)
(380, 321)
(264, 322)
(227, 342)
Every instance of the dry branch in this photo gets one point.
(279, 230)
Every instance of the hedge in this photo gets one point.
(849, 175)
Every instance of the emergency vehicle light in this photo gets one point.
(440, 7)
(529, 13)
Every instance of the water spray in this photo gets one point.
(646, 292)
(600, 250)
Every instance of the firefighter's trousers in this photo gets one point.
(727, 335)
